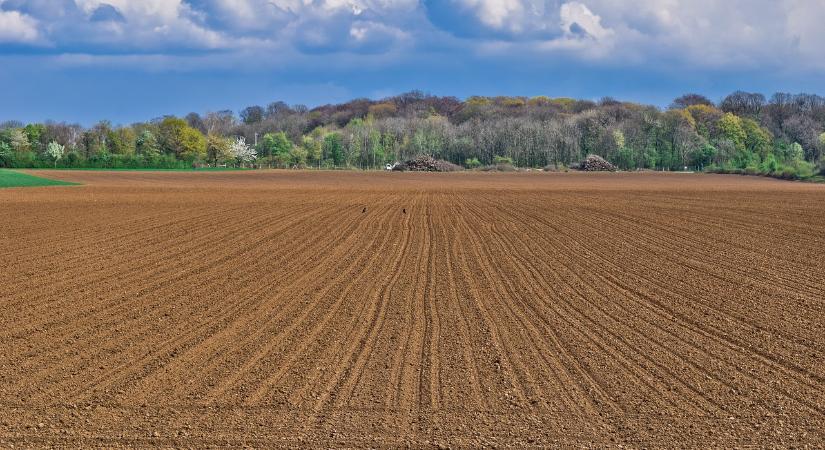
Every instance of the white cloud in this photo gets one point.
(17, 27)
(583, 35)
(312, 26)
(710, 33)
(701, 33)
(512, 17)
(152, 24)
(578, 20)
(805, 30)
(499, 14)
(257, 14)
(697, 33)
(538, 25)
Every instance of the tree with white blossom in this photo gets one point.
(55, 151)
(242, 151)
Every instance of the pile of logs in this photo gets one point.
(594, 163)
(426, 164)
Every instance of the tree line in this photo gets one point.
(783, 134)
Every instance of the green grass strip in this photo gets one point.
(11, 178)
(147, 169)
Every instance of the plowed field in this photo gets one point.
(270, 309)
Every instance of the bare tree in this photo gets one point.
(690, 100)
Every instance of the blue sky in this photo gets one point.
(129, 60)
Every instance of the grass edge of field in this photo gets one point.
(136, 169)
(14, 179)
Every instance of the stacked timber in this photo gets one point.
(595, 163)
(426, 164)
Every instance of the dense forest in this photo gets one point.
(745, 132)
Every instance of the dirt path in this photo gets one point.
(267, 309)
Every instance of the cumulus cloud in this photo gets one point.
(733, 33)
(512, 15)
(106, 13)
(497, 19)
(152, 24)
(314, 25)
(805, 30)
(702, 33)
(355, 26)
(577, 20)
(505, 26)
(18, 28)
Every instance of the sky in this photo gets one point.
(131, 60)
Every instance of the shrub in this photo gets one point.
(745, 160)
(498, 160)
(804, 169)
(625, 159)
(770, 164)
(555, 168)
(26, 160)
(788, 173)
(703, 155)
(499, 168)
(73, 159)
(6, 155)
(472, 163)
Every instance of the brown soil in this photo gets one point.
(266, 309)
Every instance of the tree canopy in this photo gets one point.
(744, 131)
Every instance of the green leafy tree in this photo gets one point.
(6, 155)
(705, 118)
(821, 142)
(376, 145)
(334, 148)
(648, 158)
(276, 146)
(796, 153)
(313, 148)
(625, 159)
(298, 155)
(122, 141)
(618, 139)
(178, 138)
(770, 164)
(34, 132)
(730, 128)
(218, 150)
(193, 143)
(18, 141)
(702, 156)
(146, 144)
(758, 140)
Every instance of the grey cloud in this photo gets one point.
(768, 33)
(106, 13)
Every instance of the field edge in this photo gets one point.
(14, 179)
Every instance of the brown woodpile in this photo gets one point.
(426, 164)
(595, 163)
